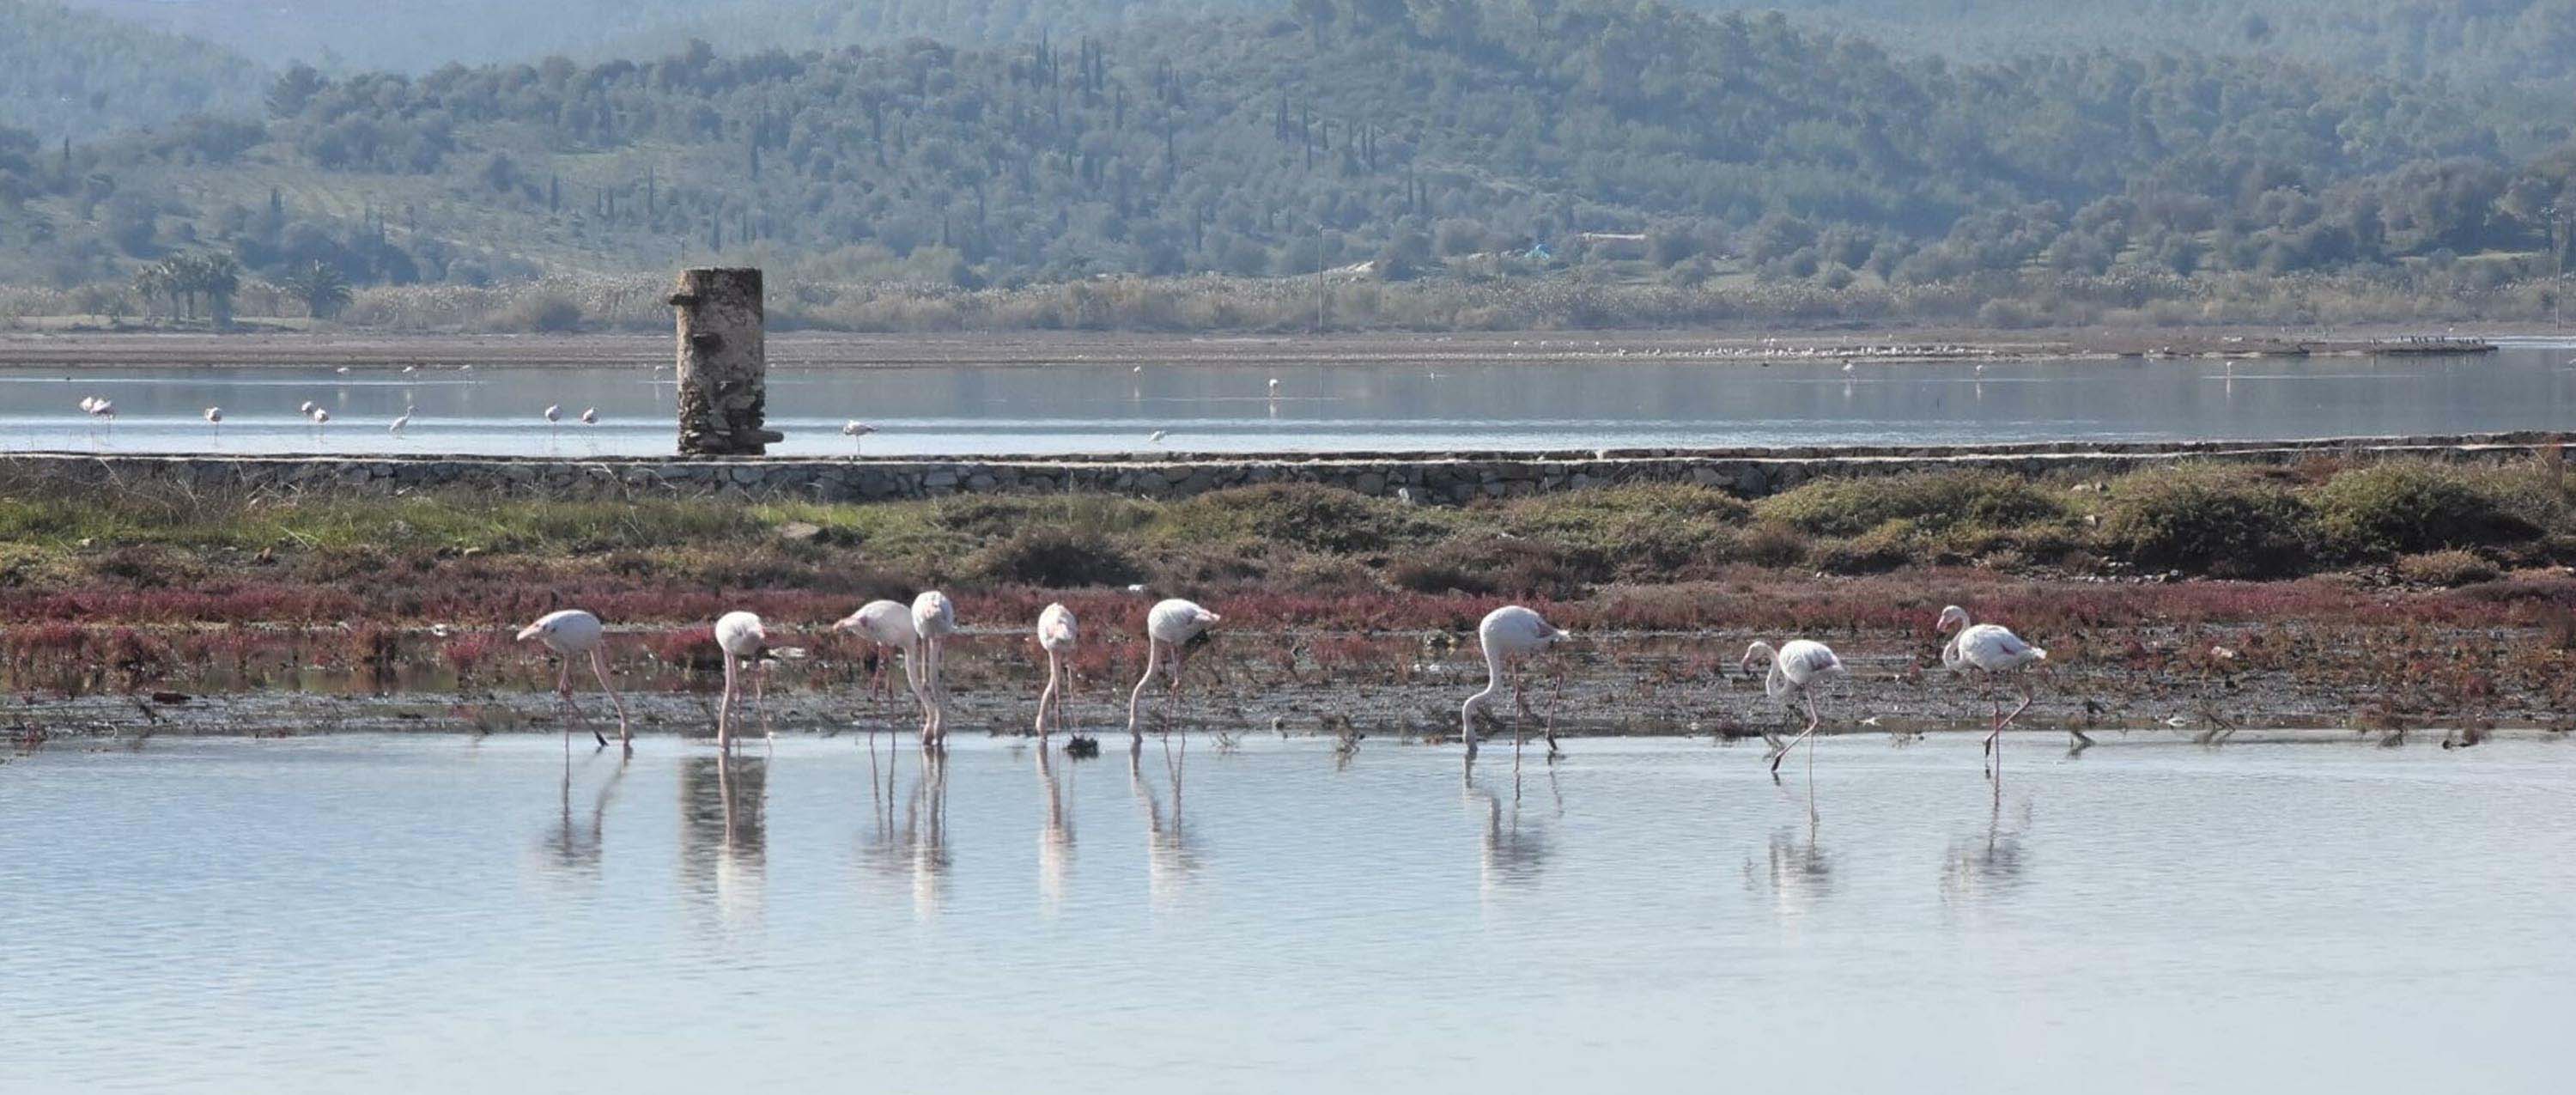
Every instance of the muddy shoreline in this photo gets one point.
(836, 350)
(2168, 684)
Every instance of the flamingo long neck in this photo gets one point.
(1153, 661)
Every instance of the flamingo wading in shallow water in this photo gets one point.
(1509, 635)
(934, 619)
(1993, 651)
(888, 625)
(573, 633)
(1056, 636)
(1172, 625)
(1798, 668)
(740, 638)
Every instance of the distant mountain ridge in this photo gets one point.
(66, 73)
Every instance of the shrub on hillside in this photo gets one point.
(1657, 529)
(1934, 501)
(2454, 567)
(1302, 515)
(1486, 566)
(2222, 521)
(1053, 558)
(2406, 507)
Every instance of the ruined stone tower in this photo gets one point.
(723, 363)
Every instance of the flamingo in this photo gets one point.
(1056, 635)
(1172, 625)
(590, 416)
(1508, 635)
(741, 638)
(1798, 667)
(572, 633)
(1158, 436)
(321, 417)
(934, 619)
(307, 409)
(888, 625)
(1991, 650)
(215, 416)
(400, 421)
(855, 430)
(554, 414)
(1274, 387)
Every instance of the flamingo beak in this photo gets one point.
(531, 631)
(1213, 617)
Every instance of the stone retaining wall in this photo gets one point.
(1428, 477)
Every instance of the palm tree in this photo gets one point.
(321, 287)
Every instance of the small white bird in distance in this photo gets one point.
(88, 404)
(102, 408)
(343, 370)
(400, 421)
(320, 416)
(214, 414)
(1138, 370)
(411, 368)
(856, 428)
(1274, 386)
(1158, 436)
(554, 412)
(306, 410)
(590, 416)
(1847, 366)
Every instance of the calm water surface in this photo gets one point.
(1097, 407)
(441, 914)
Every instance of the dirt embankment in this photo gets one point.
(813, 349)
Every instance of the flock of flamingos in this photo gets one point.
(1509, 636)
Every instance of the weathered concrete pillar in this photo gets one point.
(724, 363)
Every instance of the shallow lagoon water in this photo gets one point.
(1090, 407)
(443, 913)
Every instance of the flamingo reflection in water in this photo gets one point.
(572, 846)
(910, 830)
(1055, 834)
(1169, 858)
(1511, 854)
(724, 834)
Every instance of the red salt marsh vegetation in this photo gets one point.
(2193, 598)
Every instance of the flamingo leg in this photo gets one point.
(599, 668)
(1045, 699)
(572, 711)
(1807, 735)
(2024, 705)
(724, 707)
(759, 694)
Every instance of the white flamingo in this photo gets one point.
(307, 409)
(400, 421)
(321, 417)
(1056, 636)
(572, 633)
(934, 618)
(856, 430)
(1172, 625)
(1508, 635)
(215, 418)
(888, 625)
(1992, 651)
(1798, 668)
(740, 638)
(590, 416)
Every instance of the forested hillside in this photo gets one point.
(1445, 137)
(76, 74)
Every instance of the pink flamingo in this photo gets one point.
(572, 633)
(1056, 635)
(741, 638)
(888, 625)
(1992, 651)
(1509, 635)
(1172, 625)
(934, 619)
(1798, 667)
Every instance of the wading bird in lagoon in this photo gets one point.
(321, 417)
(1172, 626)
(934, 619)
(572, 633)
(888, 626)
(215, 417)
(856, 431)
(400, 421)
(1993, 651)
(1798, 668)
(590, 416)
(307, 409)
(1509, 636)
(1056, 635)
(741, 638)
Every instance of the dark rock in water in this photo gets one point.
(1078, 746)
